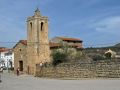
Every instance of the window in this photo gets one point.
(41, 26)
(20, 49)
(30, 25)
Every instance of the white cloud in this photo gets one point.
(108, 25)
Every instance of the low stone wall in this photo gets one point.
(101, 69)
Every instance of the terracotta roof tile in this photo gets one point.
(52, 44)
(2, 49)
(23, 42)
(69, 39)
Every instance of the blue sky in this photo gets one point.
(96, 22)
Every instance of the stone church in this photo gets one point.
(37, 48)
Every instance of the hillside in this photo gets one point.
(117, 45)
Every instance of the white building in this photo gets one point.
(7, 58)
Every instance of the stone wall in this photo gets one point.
(100, 69)
(20, 55)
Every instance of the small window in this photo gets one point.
(20, 49)
(30, 25)
(41, 26)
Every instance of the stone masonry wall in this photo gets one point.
(20, 55)
(101, 69)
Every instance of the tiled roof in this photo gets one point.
(3, 49)
(23, 42)
(69, 39)
(53, 45)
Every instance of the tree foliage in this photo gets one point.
(64, 54)
(58, 57)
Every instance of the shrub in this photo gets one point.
(98, 57)
(79, 54)
(58, 57)
(108, 55)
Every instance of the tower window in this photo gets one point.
(41, 26)
(30, 25)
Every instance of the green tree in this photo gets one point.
(58, 57)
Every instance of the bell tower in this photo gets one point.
(38, 50)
